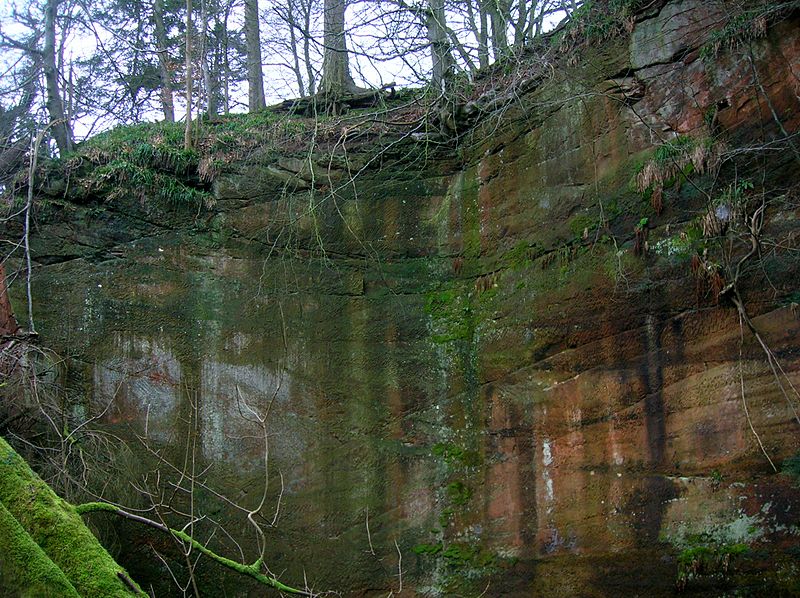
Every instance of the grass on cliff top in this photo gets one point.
(233, 136)
(596, 21)
(149, 161)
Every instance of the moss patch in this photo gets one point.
(54, 525)
(25, 570)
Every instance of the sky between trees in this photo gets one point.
(76, 67)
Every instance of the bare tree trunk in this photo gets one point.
(167, 103)
(499, 25)
(483, 35)
(255, 76)
(187, 134)
(526, 13)
(295, 50)
(211, 108)
(312, 84)
(62, 132)
(215, 67)
(440, 47)
(336, 78)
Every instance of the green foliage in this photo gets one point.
(428, 549)
(147, 161)
(734, 194)
(673, 149)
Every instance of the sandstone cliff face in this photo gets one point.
(508, 362)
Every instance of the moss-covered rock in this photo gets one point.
(65, 544)
(25, 570)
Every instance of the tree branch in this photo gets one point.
(253, 571)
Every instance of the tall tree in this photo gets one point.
(441, 55)
(291, 38)
(336, 77)
(187, 135)
(167, 103)
(62, 131)
(293, 46)
(206, 69)
(255, 75)
(498, 11)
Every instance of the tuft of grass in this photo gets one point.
(702, 560)
(674, 161)
(455, 455)
(458, 493)
(749, 21)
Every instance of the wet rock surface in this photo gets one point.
(465, 361)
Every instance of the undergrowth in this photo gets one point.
(672, 162)
(747, 21)
(707, 560)
(598, 20)
(149, 162)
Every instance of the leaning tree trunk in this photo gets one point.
(25, 570)
(255, 76)
(55, 105)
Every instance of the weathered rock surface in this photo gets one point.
(466, 357)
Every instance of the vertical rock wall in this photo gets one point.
(503, 367)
